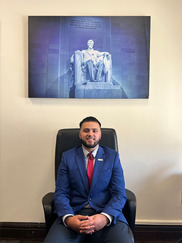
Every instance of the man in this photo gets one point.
(94, 61)
(89, 203)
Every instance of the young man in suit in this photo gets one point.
(90, 192)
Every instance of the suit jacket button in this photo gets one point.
(90, 199)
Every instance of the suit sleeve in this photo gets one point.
(61, 196)
(117, 191)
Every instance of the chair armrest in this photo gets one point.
(48, 205)
(129, 209)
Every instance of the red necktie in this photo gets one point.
(90, 169)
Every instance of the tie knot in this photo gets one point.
(90, 156)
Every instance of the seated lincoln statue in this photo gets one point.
(91, 65)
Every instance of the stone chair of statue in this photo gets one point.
(80, 73)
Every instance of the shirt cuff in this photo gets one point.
(64, 217)
(109, 217)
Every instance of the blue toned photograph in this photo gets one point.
(89, 57)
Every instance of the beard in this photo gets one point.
(89, 145)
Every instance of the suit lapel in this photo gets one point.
(99, 160)
(80, 160)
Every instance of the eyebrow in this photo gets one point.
(86, 128)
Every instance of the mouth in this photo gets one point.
(90, 139)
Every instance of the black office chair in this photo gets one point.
(67, 139)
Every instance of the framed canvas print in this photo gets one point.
(100, 57)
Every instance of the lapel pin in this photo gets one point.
(100, 159)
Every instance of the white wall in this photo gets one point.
(149, 131)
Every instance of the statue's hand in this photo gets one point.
(83, 67)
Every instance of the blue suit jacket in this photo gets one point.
(107, 192)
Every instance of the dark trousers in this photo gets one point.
(115, 233)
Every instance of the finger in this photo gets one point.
(82, 217)
(86, 231)
(87, 224)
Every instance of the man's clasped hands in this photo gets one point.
(86, 224)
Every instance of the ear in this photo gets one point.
(79, 135)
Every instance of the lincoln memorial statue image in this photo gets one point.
(92, 74)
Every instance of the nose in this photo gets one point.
(90, 133)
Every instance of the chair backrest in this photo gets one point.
(69, 138)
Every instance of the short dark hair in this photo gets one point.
(90, 119)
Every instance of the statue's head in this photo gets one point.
(90, 43)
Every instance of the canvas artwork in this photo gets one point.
(89, 57)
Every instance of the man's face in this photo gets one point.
(90, 135)
(90, 44)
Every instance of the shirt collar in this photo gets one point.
(94, 153)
